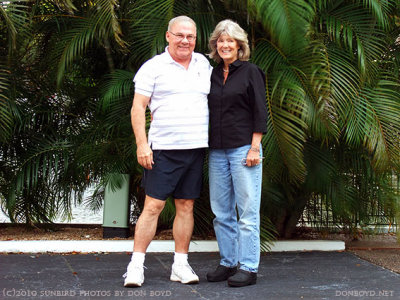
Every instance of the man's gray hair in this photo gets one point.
(236, 32)
(180, 19)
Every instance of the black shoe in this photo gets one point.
(242, 278)
(221, 273)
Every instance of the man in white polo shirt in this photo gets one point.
(174, 85)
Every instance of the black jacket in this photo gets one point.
(238, 107)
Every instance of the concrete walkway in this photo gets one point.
(97, 246)
(282, 275)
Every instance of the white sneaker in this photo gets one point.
(183, 273)
(134, 275)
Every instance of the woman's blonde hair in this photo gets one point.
(236, 32)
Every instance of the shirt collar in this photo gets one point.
(167, 57)
(236, 64)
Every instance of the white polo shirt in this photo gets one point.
(178, 101)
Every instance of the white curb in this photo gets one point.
(309, 245)
(98, 246)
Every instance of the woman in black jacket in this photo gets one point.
(238, 119)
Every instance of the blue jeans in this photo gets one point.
(234, 185)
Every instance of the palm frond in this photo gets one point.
(95, 201)
(149, 24)
(6, 119)
(354, 29)
(345, 81)
(42, 162)
(285, 94)
(268, 233)
(74, 43)
(107, 21)
(373, 122)
(118, 86)
(380, 9)
(9, 25)
(98, 25)
(321, 117)
(382, 131)
(286, 22)
(67, 5)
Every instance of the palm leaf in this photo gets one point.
(150, 21)
(99, 25)
(74, 43)
(382, 138)
(8, 24)
(118, 86)
(285, 21)
(268, 233)
(353, 28)
(43, 161)
(107, 21)
(380, 9)
(67, 5)
(6, 119)
(285, 94)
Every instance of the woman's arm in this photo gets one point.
(253, 156)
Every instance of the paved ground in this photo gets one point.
(299, 275)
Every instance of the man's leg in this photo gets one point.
(182, 232)
(146, 225)
(183, 224)
(144, 232)
(187, 189)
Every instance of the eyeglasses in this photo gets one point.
(179, 36)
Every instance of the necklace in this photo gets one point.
(226, 71)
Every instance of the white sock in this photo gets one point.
(138, 257)
(181, 258)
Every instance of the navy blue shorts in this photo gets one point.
(176, 173)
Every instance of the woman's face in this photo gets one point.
(227, 48)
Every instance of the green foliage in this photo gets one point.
(333, 97)
(331, 85)
(6, 117)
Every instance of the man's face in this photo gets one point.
(181, 49)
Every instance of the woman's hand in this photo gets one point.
(253, 157)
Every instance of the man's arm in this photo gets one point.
(138, 119)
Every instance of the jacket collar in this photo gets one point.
(236, 64)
